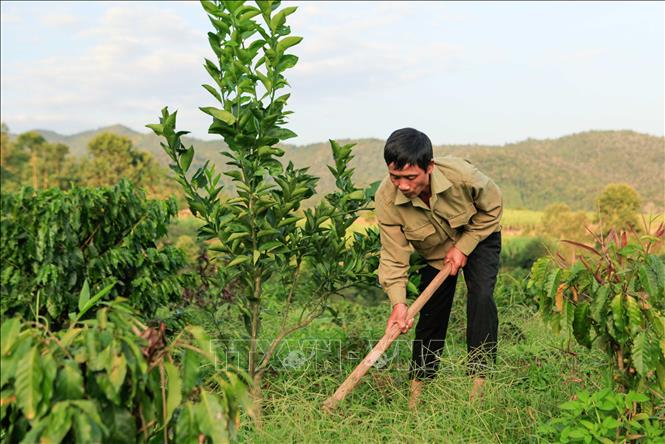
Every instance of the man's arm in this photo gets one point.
(489, 205)
(394, 262)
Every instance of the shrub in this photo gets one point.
(109, 378)
(604, 416)
(55, 240)
(615, 296)
(522, 251)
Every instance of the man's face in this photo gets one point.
(411, 180)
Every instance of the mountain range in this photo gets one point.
(532, 173)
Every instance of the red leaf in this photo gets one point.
(581, 245)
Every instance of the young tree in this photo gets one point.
(13, 161)
(32, 160)
(263, 235)
(33, 144)
(560, 222)
(113, 157)
(618, 206)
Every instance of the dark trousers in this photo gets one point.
(482, 325)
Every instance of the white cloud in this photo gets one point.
(62, 20)
(138, 59)
(9, 17)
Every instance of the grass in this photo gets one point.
(532, 376)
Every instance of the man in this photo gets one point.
(449, 212)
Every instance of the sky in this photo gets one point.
(462, 72)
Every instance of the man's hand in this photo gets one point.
(456, 259)
(398, 316)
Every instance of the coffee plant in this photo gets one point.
(613, 296)
(108, 377)
(54, 241)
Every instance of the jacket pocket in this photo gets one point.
(457, 220)
(422, 238)
(460, 219)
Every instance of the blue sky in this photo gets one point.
(488, 72)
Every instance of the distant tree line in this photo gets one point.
(30, 160)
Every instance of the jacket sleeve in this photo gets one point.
(488, 201)
(395, 254)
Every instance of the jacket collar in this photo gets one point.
(438, 181)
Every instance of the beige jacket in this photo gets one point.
(465, 208)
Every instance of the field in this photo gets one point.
(535, 372)
(224, 301)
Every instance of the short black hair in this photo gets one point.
(408, 146)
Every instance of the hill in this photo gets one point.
(532, 173)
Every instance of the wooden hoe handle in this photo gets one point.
(352, 380)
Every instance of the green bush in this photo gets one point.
(522, 251)
(614, 296)
(606, 417)
(511, 289)
(55, 240)
(109, 378)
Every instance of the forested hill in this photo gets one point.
(533, 173)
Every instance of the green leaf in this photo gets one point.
(90, 409)
(186, 427)
(570, 405)
(235, 236)
(638, 354)
(582, 324)
(598, 308)
(617, 312)
(117, 372)
(220, 114)
(156, 128)
(238, 260)
(610, 423)
(634, 315)
(288, 221)
(288, 42)
(86, 430)
(212, 9)
(49, 370)
(59, 423)
(69, 384)
(174, 395)
(648, 275)
(9, 332)
(28, 381)
(84, 296)
(233, 5)
(186, 159)
(269, 246)
(203, 341)
(211, 418)
(357, 195)
(190, 370)
(282, 133)
(122, 426)
(634, 396)
(214, 92)
(90, 303)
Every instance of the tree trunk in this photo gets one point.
(33, 163)
(256, 394)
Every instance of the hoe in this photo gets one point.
(393, 332)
